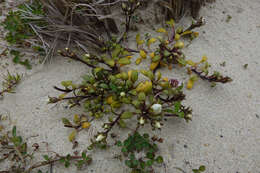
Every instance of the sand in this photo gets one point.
(225, 132)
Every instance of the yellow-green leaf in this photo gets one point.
(76, 119)
(161, 30)
(190, 84)
(154, 65)
(124, 61)
(151, 41)
(110, 62)
(127, 115)
(186, 33)
(72, 135)
(138, 40)
(143, 54)
(170, 23)
(138, 61)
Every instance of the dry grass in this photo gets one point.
(75, 22)
(178, 8)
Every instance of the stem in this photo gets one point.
(212, 78)
(75, 57)
(44, 163)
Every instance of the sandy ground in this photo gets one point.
(225, 132)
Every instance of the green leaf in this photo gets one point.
(46, 157)
(122, 124)
(166, 53)
(104, 86)
(65, 121)
(182, 61)
(116, 51)
(14, 131)
(124, 150)
(181, 114)
(202, 168)
(16, 59)
(146, 135)
(26, 63)
(150, 155)
(159, 159)
(17, 140)
(110, 62)
(134, 76)
(124, 61)
(66, 164)
(66, 83)
(127, 115)
(142, 164)
(141, 96)
(119, 143)
(149, 163)
(156, 58)
(128, 163)
(83, 155)
(195, 171)
(177, 106)
(169, 111)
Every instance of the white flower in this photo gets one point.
(122, 94)
(106, 126)
(100, 137)
(141, 120)
(87, 55)
(157, 108)
(189, 116)
(157, 124)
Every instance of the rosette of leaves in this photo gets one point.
(169, 52)
(177, 8)
(146, 150)
(17, 23)
(9, 83)
(16, 152)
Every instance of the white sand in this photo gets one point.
(225, 132)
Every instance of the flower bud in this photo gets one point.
(157, 124)
(189, 116)
(141, 121)
(122, 94)
(100, 137)
(157, 108)
(124, 6)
